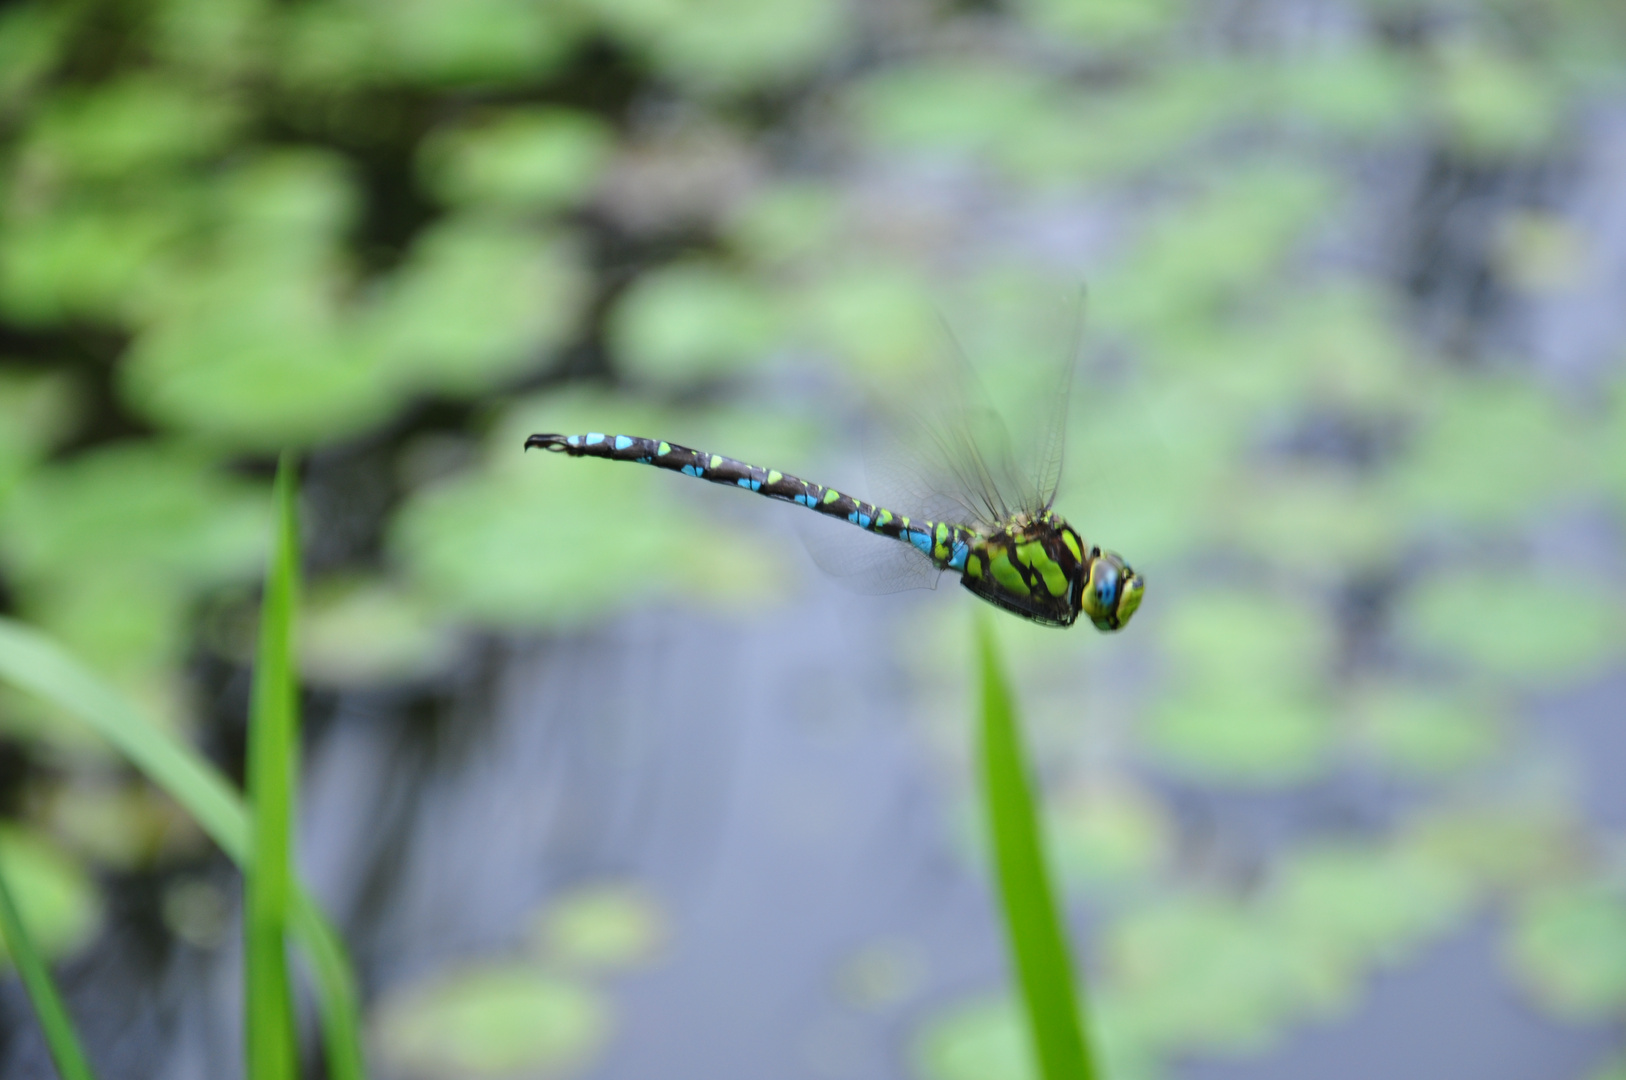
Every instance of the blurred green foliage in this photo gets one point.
(1569, 944)
(606, 926)
(409, 233)
(493, 1020)
(55, 897)
(541, 1017)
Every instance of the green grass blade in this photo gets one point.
(71, 1063)
(338, 1001)
(32, 662)
(273, 749)
(1038, 944)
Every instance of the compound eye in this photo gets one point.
(1106, 585)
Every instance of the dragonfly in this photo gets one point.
(977, 513)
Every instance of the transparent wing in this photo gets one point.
(950, 456)
(912, 471)
(1049, 447)
(863, 562)
(947, 454)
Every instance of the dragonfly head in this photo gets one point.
(1110, 592)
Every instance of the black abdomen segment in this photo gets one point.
(944, 544)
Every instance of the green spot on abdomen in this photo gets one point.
(973, 567)
(832, 495)
(774, 476)
(664, 448)
(716, 460)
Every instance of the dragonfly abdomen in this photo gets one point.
(946, 545)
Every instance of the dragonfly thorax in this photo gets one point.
(1044, 571)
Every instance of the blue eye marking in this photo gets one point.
(1106, 587)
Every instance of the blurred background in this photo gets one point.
(604, 778)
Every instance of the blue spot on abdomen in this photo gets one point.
(594, 438)
(622, 442)
(746, 482)
(692, 470)
(921, 540)
(806, 500)
(957, 558)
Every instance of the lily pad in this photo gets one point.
(1131, 130)
(1251, 642)
(1512, 845)
(1542, 252)
(988, 1039)
(85, 256)
(1203, 973)
(1614, 446)
(983, 1040)
(32, 38)
(108, 548)
(118, 822)
(1190, 262)
(479, 300)
(361, 633)
(1313, 519)
(1611, 1070)
(129, 124)
(1492, 450)
(1363, 905)
(470, 41)
(1247, 739)
(727, 45)
(947, 105)
(876, 319)
(1245, 702)
(541, 158)
(492, 1020)
(1103, 836)
(1333, 349)
(198, 911)
(151, 507)
(691, 321)
(36, 411)
(1358, 92)
(1422, 733)
(603, 926)
(55, 898)
(1495, 103)
(273, 370)
(248, 343)
(1568, 945)
(504, 545)
(1098, 24)
(784, 222)
(1532, 626)
(883, 974)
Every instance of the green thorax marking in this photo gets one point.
(1034, 569)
